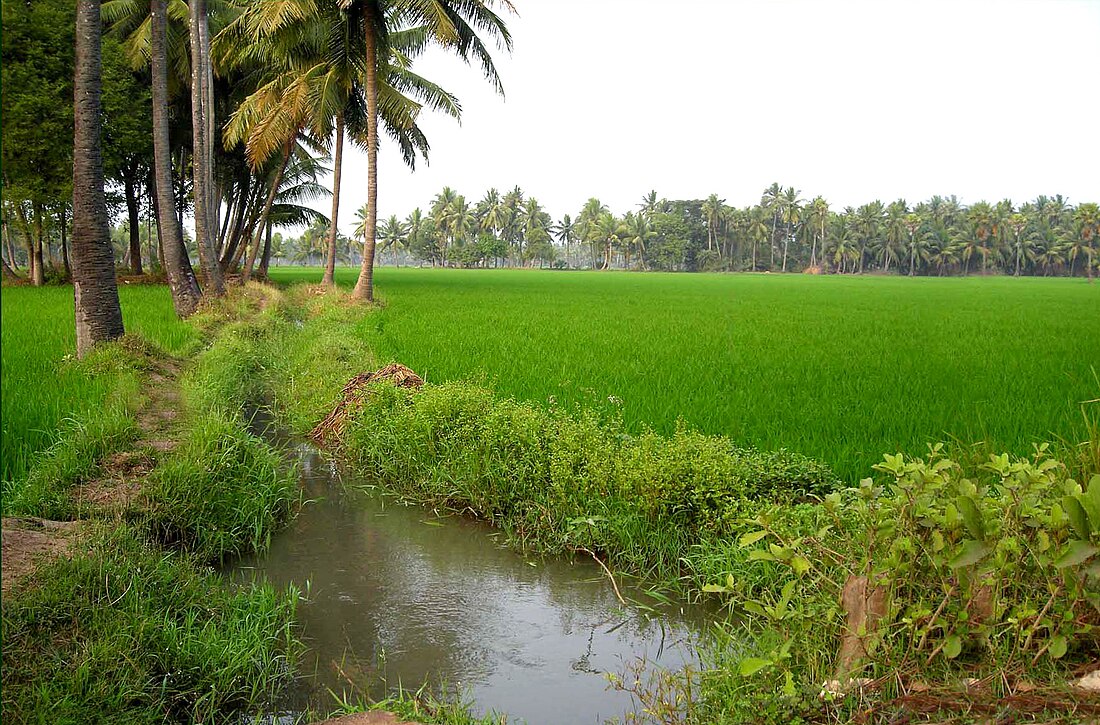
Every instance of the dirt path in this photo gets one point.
(30, 542)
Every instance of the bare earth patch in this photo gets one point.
(118, 484)
(29, 542)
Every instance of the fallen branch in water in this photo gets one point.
(606, 570)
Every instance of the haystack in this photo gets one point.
(331, 429)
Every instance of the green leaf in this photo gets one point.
(752, 665)
(788, 685)
(761, 555)
(1090, 501)
(714, 589)
(971, 516)
(1078, 552)
(1058, 646)
(970, 553)
(755, 608)
(1078, 519)
(800, 564)
(751, 538)
(952, 646)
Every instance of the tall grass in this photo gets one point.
(837, 368)
(125, 633)
(43, 387)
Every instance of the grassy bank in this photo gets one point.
(837, 368)
(135, 626)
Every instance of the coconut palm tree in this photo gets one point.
(757, 230)
(791, 210)
(1087, 219)
(95, 290)
(608, 231)
(590, 214)
(451, 24)
(771, 201)
(566, 232)
(394, 234)
(649, 205)
(638, 232)
(181, 277)
(415, 224)
(1018, 223)
(202, 140)
(712, 212)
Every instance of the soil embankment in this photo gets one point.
(30, 542)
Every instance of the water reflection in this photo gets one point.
(396, 592)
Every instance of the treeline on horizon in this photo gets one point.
(784, 232)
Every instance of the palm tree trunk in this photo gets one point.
(43, 241)
(246, 271)
(65, 246)
(337, 163)
(95, 291)
(771, 239)
(39, 263)
(226, 224)
(265, 258)
(202, 161)
(177, 264)
(244, 223)
(134, 222)
(364, 286)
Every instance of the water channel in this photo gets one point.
(398, 595)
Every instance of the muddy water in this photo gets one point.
(397, 595)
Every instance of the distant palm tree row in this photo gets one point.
(784, 232)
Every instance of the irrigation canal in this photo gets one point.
(396, 595)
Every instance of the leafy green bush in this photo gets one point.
(563, 482)
(990, 574)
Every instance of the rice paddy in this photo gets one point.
(839, 368)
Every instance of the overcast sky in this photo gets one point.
(851, 100)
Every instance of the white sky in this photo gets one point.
(852, 100)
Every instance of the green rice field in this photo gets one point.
(41, 387)
(840, 368)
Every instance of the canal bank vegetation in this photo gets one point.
(129, 622)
